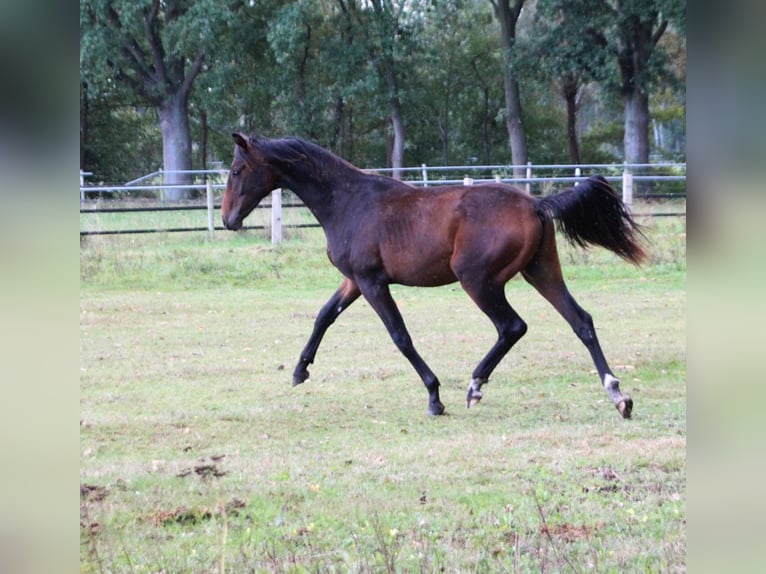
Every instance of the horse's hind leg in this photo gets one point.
(510, 327)
(346, 294)
(544, 274)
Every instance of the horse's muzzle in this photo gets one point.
(232, 223)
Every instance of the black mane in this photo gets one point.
(296, 153)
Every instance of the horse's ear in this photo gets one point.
(241, 140)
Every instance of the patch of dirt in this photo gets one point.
(570, 532)
(611, 481)
(90, 493)
(205, 469)
(194, 515)
(180, 515)
(93, 528)
(93, 492)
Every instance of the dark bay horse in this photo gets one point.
(381, 231)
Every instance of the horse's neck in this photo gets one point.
(322, 194)
(317, 195)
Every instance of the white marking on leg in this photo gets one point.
(610, 383)
(476, 385)
(474, 391)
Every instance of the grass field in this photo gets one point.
(197, 455)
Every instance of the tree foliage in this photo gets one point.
(153, 50)
(397, 82)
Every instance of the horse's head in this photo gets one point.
(251, 179)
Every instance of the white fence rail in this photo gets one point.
(625, 174)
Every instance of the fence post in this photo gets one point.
(276, 216)
(529, 176)
(424, 169)
(162, 190)
(627, 188)
(210, 210)
(467, 180)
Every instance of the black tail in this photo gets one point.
(591, 212)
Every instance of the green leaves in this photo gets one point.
(328, 70)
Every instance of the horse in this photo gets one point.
(382, 231)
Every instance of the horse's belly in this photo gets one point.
(419, 254)
(420, 271)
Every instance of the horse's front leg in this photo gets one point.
(347, 293)
(379, 297)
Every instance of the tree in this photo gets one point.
(389, 31)
(454, 104)
(561, 50)
(155, 50)
(291, 39)
(615, 42)
(668, 100)
(373, 77)
(344, 59)
(638, 26)
(507, 14)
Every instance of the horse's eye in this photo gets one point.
(235, 172)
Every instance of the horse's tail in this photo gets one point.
(591, 212)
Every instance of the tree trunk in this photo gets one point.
(508, 15)
(83, 125)
(639, 38)
(176, 145)
(349, 134)
(516, 137)
(443, 128)
(570, 89)
(339, 133)
(636, 126)
(443, 115)
(485, 113)
(203, 142)
(397, 122)
(485, 119)
(397, 151)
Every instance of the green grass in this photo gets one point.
(196, 218)
(198, 456)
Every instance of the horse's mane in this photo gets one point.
(294, 151)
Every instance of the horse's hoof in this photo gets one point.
(474, 394)
(300, 377)
(472, 398)
(625, 407)
(435, 410)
